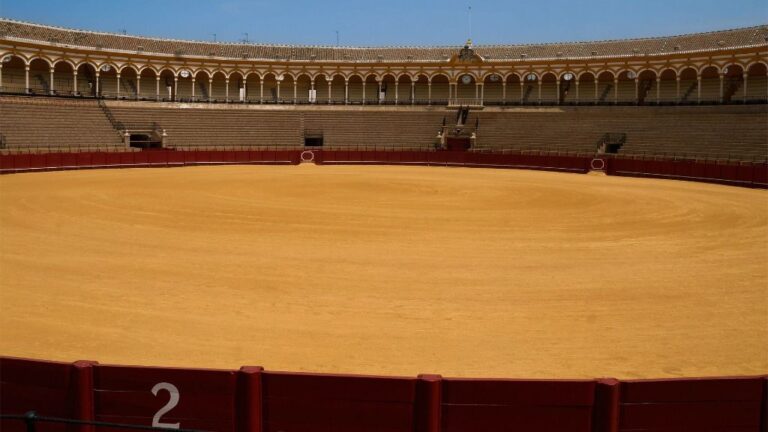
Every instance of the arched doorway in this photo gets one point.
(586, 89)
(39, 77)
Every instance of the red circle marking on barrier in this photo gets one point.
(593, 166)
(311, 156)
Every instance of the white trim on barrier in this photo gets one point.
(593, 167)
(311, 156)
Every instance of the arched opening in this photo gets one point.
(303, 86)
(287, 88)
(237, 87)
(467, 92)
(63, 78)
(440, 89)
(321, 90)
(586, 89)
(107, 82)
(733, 83)
(404, 89)
(39, 77)
(356, 89)
(493, 89)
(688, 92)
(128, 77)
(548, 89)
(626, 90)
(710, 85)
(202, 90)
(184, 86)
(567, 93)
(338, 89)
(252, 87)
(146, 84)
(167, 86)
(14, 75)
(757, 83)
(646, 87)
(86, 79)
(530, 89)
(605, 88)
(371, 89)
(514, 93)
(421, 91)
(668, 87)
(387, 95)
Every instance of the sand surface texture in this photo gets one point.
(385, 270)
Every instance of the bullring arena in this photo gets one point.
(573, 240)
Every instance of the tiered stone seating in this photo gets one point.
(736, 132)
(400, 129)
(59, 124)
(218, 126)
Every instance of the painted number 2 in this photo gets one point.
(172, 402)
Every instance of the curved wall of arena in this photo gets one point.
(716, 67)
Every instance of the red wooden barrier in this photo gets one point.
(194, 399)
(50, 389)
(542, 406)
(337, 403)
(702, 405)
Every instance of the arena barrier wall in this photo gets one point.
(252, 399)
(747, 174)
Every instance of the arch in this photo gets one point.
(128, 87)
(547, 92)
(146, 83)
(404, 88)
(303, 82)
(667, 82)
(40, 58)
(710, 91)
(422, 89)
(493, 88)
(65, 60)
(63, 77)
(321, 89)
(14, 74)
(467, 90)
(168, 87)
(86, 79)
(237, 85)
(387, 87)
(39, 75)
(605, 87)
(586, 88)
(647, 88)
(756, 83)
(355, 88)
(440, 88)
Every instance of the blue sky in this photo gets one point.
(393, 22)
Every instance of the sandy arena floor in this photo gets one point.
(385, 270)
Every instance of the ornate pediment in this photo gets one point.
(467, 55)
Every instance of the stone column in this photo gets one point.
(698, 88)
(413, 92)
(226, 90)
(193, 88)
(261, 90)
(277, 94)
(637, 90)
(51, 90)
(677, 94)
(429, 92)
(540, 83)
(138, 85)
(330, 91)
(744, 90)
(364, 89)
(558, 91)
(118, 85)
(312, 87)
(504, 92)
(577, 91)
(615, 90)
(346, 92)
(74, 81)
(175, 88)
(722, 87)
(97, 83)
(597, 90)
(210, 90)
(482, 93)
(397, 91)
(378, 81)
(26, 78)
(658, 90)
(157, 87)
(522, 92)
(295, 90)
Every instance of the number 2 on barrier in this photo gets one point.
(174, 392)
